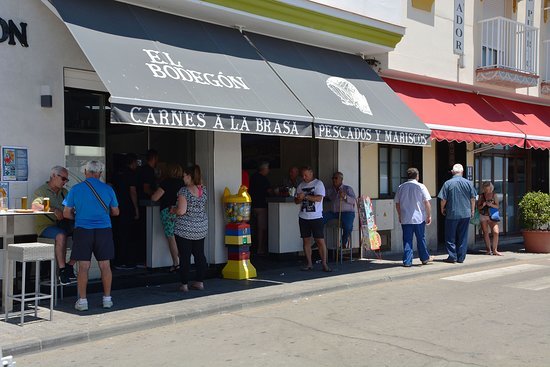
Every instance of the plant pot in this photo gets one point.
(536, 241)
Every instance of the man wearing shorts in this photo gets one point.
(91, 203)
(53, 225)
(309, 195)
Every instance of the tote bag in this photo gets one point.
(494, 214)
(475, 219)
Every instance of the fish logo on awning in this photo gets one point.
(349, 95)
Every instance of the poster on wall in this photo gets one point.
(15, 164)
(4, 189)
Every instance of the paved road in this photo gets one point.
(491, 316)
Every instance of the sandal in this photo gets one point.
(307, 268)
(197, 286)
(174, 268)
(326, 269)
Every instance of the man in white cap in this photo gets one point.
(457, 205)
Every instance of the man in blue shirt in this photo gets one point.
(457, 205)
(412, 202)
(91, 203)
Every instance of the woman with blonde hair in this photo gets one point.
(487, 199)
(167, 193)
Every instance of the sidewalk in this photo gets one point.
(147, 307)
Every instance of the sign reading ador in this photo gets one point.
(458, 29)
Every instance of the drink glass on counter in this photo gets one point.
(46, 203)
(3, 203)
(23, 202)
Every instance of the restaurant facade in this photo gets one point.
(213, 82)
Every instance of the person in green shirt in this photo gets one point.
(54, 225)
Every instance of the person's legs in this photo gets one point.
(495, 230)
(82, 278)
(462, 242)
(307, 251)
(60, 237)
(106, 276)
(347, 219)
(485, 229)
(184, 250)
(420, 233)
(408, 243)
(450, 238)
(173, 247)
(305, 233)
(83, 245)
(61, 249)
(318, 231)
(322, 252)
(197, 250)
(168, 223)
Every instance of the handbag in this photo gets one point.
(475, 219)
(494, 215)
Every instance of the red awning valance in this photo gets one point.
(535, 121)
(468, 117)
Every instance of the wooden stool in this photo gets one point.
(24, 253)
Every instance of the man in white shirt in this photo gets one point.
(412, 202)
(309, 195)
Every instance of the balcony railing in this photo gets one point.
(546, 57)
(506, 44)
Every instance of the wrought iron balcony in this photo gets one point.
(508, 54)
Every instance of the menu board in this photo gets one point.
(15, 164)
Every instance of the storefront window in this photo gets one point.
(86, 113)
(393, 164)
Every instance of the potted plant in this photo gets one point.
(534, 213)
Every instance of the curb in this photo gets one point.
(254, 298)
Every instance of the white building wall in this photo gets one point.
(427, 47)
(385, 10)
(426, 50)
(24, 70)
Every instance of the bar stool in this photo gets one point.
(57, 294)
(24, 253)
(332, 230)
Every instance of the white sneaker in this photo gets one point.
(107, 303)
(81, 306)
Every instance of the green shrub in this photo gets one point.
(534, 211)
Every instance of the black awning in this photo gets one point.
(347, 99)
(164, 70)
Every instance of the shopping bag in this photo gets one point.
(494, 214)
(475, 219)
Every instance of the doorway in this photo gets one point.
(447, 154)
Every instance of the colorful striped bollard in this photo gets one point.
(238, 241)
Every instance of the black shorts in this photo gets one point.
(98, 241)
(312, 227)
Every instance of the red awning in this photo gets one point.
(535, 121)
(461, 116)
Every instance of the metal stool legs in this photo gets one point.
(29, 253)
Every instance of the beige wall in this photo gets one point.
(428, 174)
(369, 170)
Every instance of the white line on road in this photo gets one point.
(533, 285)
(494, 273)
